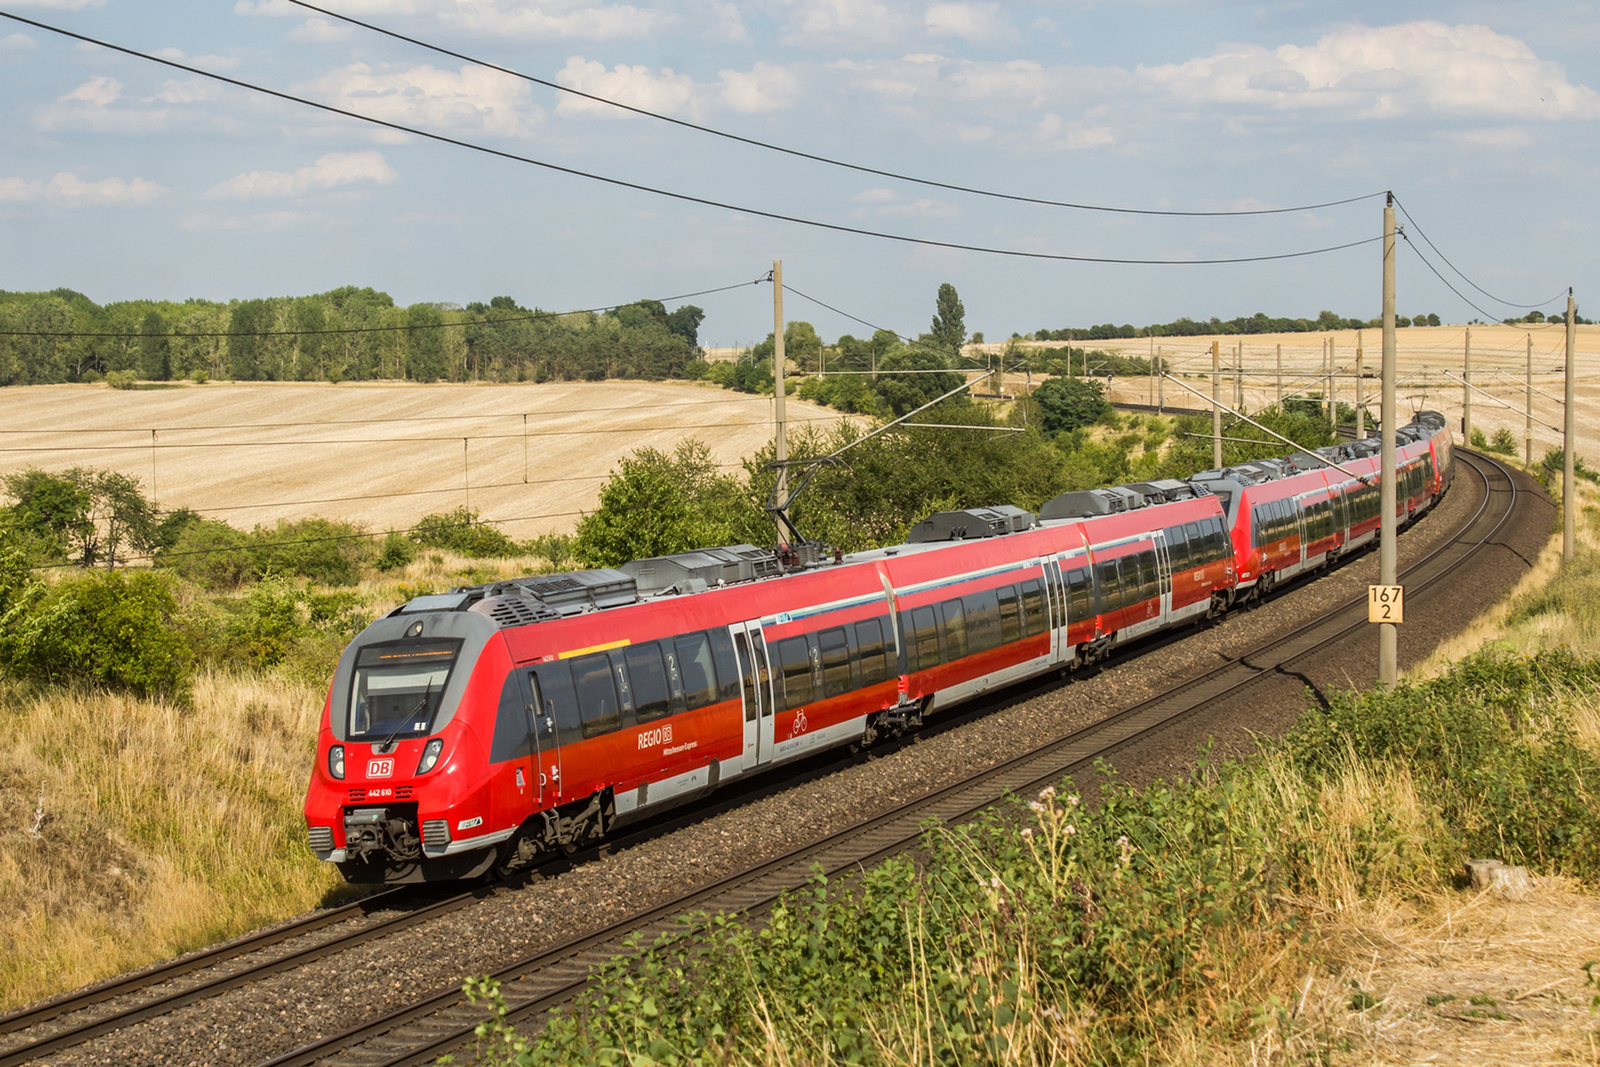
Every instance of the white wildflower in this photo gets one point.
(1035, 806)
(1073, 801)
(1070, 831)
(1047, 793)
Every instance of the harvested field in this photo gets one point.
(531, 457)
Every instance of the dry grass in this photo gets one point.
(164, 828)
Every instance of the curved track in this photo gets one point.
(435, 1025)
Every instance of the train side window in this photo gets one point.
(1078, 595)
(982, 612)
(1033, 615)
(794, 657)
(1196, 556)
(559, 704)
(699, 676)
(1149, 578)
(955, 630)
(652, 698)
(1178, 548)
(1010, 614)
(1110, 587)
(835, 647)
(727, 667)
(1221, 547)
(511, 737)
(925, 638)
(869, 645)
(596, 684)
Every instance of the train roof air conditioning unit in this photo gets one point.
(1087, 503)
(973, 522)
(712, 566)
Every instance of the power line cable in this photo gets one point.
(1411, 222)
(670, 194)
(812, 156)
(530, 317)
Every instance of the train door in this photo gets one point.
(553, 707)
(755, 675)
(514, 791)
(1163, 573)
(1055, 589)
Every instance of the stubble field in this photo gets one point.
(529, 457)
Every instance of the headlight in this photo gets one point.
(336, 761)
(430, 755)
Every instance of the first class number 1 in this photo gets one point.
(1386, 603)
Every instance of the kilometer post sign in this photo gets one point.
(1386, 603)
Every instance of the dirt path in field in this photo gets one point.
(531, 457)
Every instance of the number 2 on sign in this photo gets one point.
(1386, 603)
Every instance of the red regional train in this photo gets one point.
(470, 732)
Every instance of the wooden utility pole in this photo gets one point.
(1466, 392)
(1216, 406)
(1333, 401)
(1152, 362)
(1569, 436)
(1161, 387)
(1280, 379)
(1527, 430)
(781, 447)
(1238, 376)
(1388, 556)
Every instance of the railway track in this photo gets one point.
(437, 1024)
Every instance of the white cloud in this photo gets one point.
(16, 42)
(975, 22)
(875, 196)
(68, 190)
(472, 99)
(526, 19)
(60, 5)
(1055, 134)
(260, 221)
(320, 31)
(96, 91)
(190, 91)
(764, 87)
(888, 202)
(329, 172)
(664, 92)
(1380, 72)
(724, 22)
(851, 24)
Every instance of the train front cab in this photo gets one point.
(400, 790)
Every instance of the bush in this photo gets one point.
(110, 629)
(463, 532)
(1066, 404)
(325, 550)
(397, 552)
(280, 622)
(1503, 442)
(1478, 440)
(121, 379)
(212, 554)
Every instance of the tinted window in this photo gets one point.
(651, 692)
(747, 674)
(694, 665)
(727, 672)
(869, 646)
(1149, 586)
(925, 638)
(1010, 614)
(982, 611)
(955, 630)
(1078, 589)
(511, 738)
(794, 657)
(1110, 589)
(835, 648)
(1033, 614)
(598, 706)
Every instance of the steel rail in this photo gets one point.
(551, 977)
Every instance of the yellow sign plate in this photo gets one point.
(1386, 603)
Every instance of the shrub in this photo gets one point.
(1503, 442)
(111, 629)
(462, 531)
(397, 552)
(325, 550)
(279, 622)
(121, 379)
(1478, 440)
(1066, 404)
(210, 553)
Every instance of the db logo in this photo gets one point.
(380, 768)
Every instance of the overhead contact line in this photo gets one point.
(688, 198)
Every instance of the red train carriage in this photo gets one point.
(473, 730)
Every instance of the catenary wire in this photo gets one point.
(815, 157)
(1412, 223)
(529, 317)
(689, 198)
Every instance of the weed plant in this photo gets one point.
(1166, 923)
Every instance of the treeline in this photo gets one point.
(1260, 322)
(348, 333)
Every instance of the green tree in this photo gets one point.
(155, 352)
(1065, 404)
(949, 330)
(685, 322)
(424, 343)
(656, 503)
(247, 329)
(49, 513)
(930, 377)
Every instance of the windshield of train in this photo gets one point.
(398, 687)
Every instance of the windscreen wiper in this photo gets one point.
(422, 705)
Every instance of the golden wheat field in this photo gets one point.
(530, 457)
(1427, 359)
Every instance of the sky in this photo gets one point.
(124, 179)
